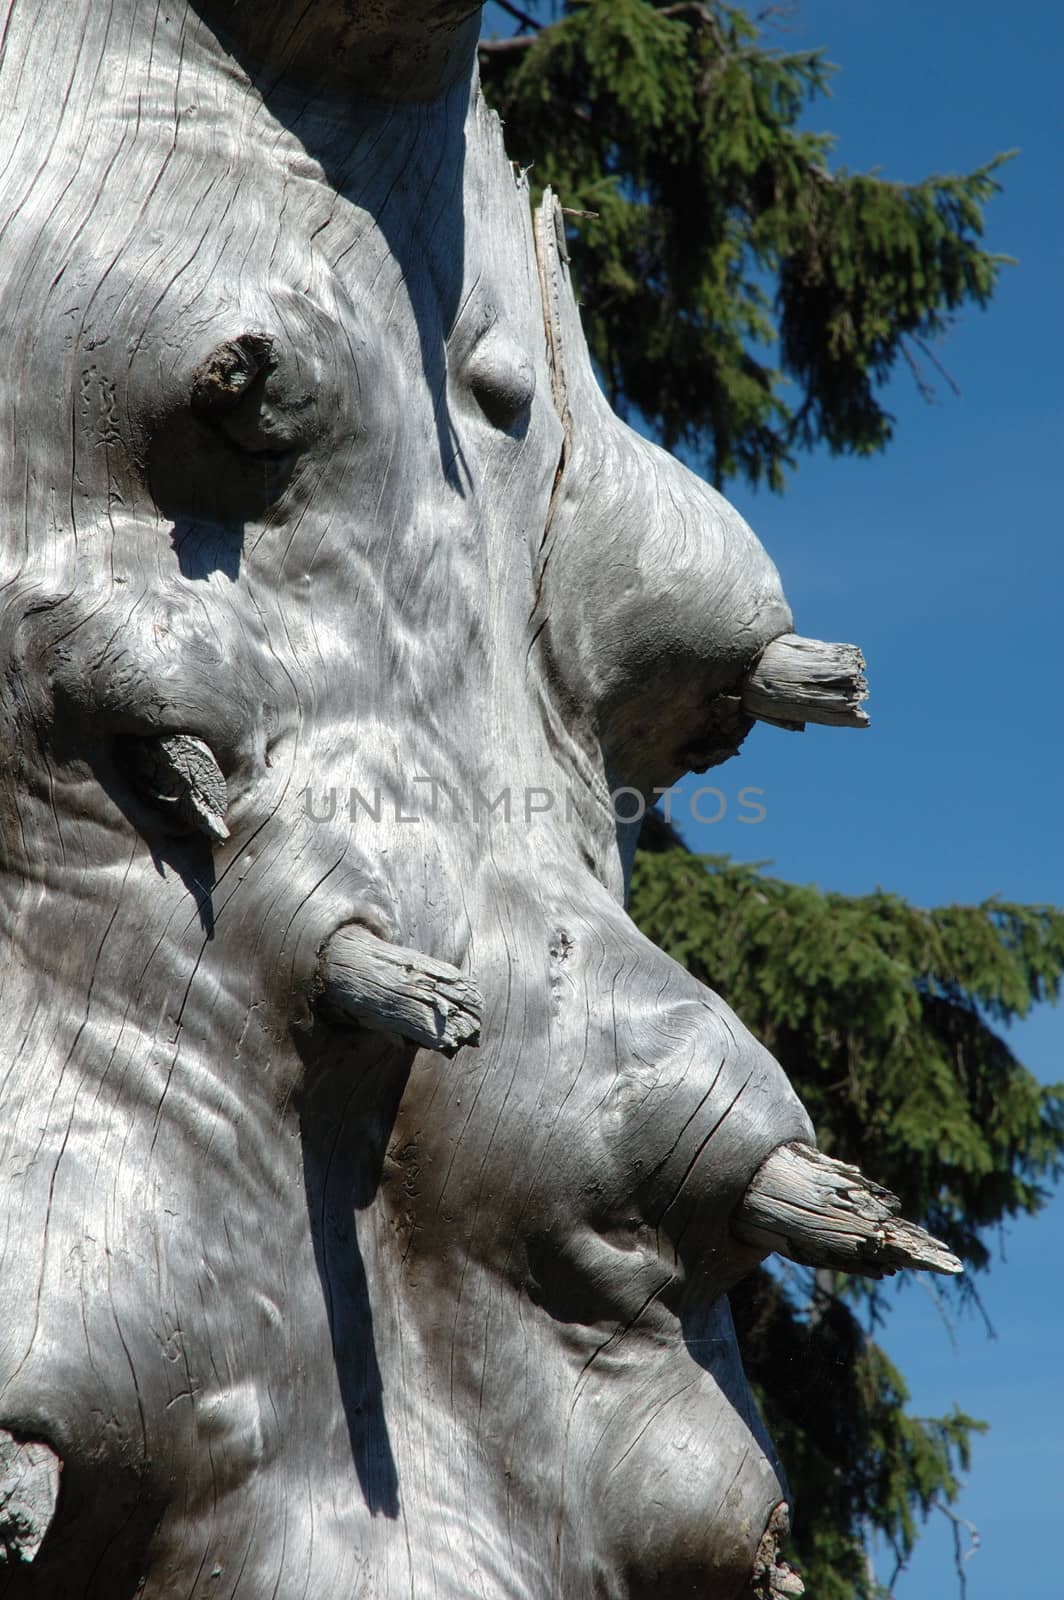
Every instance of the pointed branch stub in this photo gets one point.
(823, 1213)
(179, 776)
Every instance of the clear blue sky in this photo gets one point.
(942, 559)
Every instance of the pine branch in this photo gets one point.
(937, 364)
(690, 8)
(926, 390)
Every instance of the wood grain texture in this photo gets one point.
(399, 50)
(305, 466)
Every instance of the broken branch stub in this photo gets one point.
(825, 1213)
(179, 775)
(798, 680)
(374, 984)
(29, 1490)
(772, 1577)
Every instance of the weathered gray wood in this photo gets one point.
(374, 984)
(825, 1213)
(798, 680)
(395, 50)
(29, 1489)
(308, 491)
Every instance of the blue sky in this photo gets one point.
(942, 559)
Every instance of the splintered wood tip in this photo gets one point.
(29, 1490)
(798, 680)
(823, 1213)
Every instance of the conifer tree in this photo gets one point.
(772, 295)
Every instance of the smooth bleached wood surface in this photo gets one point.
(335, 597)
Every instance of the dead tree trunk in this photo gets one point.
(335, 605)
